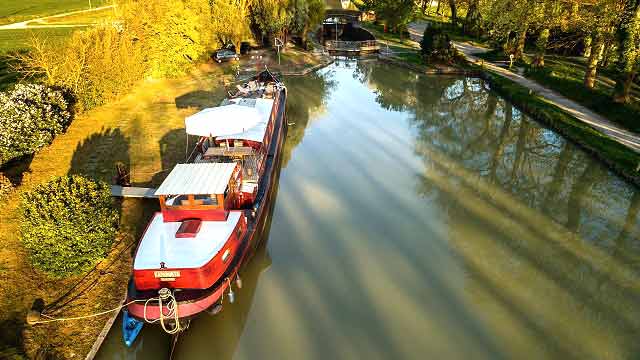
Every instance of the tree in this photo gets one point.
(472, 23)
(306, 15)
(627, 35)
(269, 19)
(395, 13)
(230, 21)
(454, 13)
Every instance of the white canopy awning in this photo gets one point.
(197, 179)
(243, 119)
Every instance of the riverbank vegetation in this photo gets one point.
(586, 51)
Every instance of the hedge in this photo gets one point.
(68, 224)
(31, 116)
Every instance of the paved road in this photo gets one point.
(42, 22)
(600, 123)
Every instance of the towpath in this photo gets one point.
(598, 122)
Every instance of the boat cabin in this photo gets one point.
(205, 191)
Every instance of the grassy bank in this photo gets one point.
(12, 11)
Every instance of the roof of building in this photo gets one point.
(197, 179)
(242, 119)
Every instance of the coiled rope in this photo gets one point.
(172, 307)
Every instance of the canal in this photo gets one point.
(426, 217)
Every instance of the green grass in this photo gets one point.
(84, 18)
(15, 10)
(617, 156)
(14, 40)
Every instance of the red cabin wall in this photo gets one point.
(174, 215)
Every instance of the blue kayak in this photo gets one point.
(130, 328)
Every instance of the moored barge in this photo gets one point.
(213, 208)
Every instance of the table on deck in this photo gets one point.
(238, 151)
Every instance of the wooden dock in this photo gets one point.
(133, 192)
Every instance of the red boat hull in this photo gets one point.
(194, 301)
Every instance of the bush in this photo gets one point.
(30, 117)
(5, 186)
(68, 224)
(436, 45)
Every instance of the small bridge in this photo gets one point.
(352, 47)
(133, 192)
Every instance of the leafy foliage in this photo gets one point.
(396, 13)
(5, 186)
(30, 117)
(68, 224)
(436, 45)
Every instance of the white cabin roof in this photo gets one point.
(159, 243)
(197, 179)
(242, 119)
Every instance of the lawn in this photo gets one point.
(83, 18)
(11, 40)
(12, 11)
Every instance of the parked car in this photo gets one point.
(224, 55)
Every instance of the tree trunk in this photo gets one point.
(587, 46)
(472, 21)
(623, 87)
(627, 52)
(438, 8)
(592, 64)
(424, 6)
(454, 13)
(541, 46)
(522, 37)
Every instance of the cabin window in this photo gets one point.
(177, 200)
(206, 199)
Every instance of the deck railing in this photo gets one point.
(338, 45)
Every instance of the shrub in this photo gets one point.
(30, 117)
(436, 45)
(5, 186)
(68, 224)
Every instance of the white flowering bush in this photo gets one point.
(31, 116)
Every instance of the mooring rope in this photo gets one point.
(52, 319)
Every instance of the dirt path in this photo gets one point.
(42, 22)
(578, 111)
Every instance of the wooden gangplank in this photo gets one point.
(133, 192)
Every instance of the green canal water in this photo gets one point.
(424, 217)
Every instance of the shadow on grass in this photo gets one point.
(199, 99)
(173, 150)
(96, 156)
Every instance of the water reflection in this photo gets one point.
(425, 217)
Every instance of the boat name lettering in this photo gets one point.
(166, 274)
